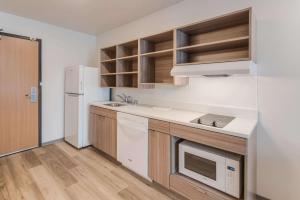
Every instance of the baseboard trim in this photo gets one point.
(19, 151)
(52, 142)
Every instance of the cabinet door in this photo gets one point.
(153, 153)
(92, 132)
(110, 137)
(99, 132)
(159, 157)
(103, 134)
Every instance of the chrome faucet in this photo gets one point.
(123, 97)
(127, 99)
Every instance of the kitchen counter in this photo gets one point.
(238, 127)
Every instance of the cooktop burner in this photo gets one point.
(219, 121)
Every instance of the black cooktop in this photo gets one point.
(219, 121)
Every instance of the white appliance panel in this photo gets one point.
(74, 79)
(73, 119)
(132, 143)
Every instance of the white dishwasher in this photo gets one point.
(132, 143)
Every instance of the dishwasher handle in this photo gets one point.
(132, 118)
(134, 126)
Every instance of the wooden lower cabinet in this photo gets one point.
(103, 133)
(159, 157)
(194, 190)
(103, 136)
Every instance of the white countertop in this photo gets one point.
(238, 127)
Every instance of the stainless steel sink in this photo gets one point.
(115, 104)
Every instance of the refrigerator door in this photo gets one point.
(73, 119)
(74, 80)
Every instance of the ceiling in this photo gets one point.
(88, 16)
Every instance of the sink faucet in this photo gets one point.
(127, 99)
(123, 97)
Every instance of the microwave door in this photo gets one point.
(202, 166)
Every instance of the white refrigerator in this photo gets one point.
(81, 88)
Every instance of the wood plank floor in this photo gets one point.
(59, 171)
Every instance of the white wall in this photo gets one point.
(60, 48)
(278, 82)
(279, 99)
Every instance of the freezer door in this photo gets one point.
(73, 119)
(74, 79)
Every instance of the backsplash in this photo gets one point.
(235, 96)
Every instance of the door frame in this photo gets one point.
(39, 78)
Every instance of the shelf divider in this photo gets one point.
(154, 54)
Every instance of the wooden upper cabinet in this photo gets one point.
(156, 59)
(147, 61)
(221, 39)
(119, 65)
(103, 130)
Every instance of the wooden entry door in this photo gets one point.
(19, 113)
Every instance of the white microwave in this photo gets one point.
(213, 167)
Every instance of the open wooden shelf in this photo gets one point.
(156, 69)
(132, 72)
(220, 28)
(162, 53)
(108, 54)
(159, 42)
(127, 65)
(156, 60)
(127, 49)
(128, 57)
(224, 38)
(108, 67)
(108, 74)
(108, 80)
(224, 55)
(119, 65)
(217, 45)
(109, 61)
(127, 80)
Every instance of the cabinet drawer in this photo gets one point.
(103, 111)
(194, 190)
(158, 125)
(218, 140)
